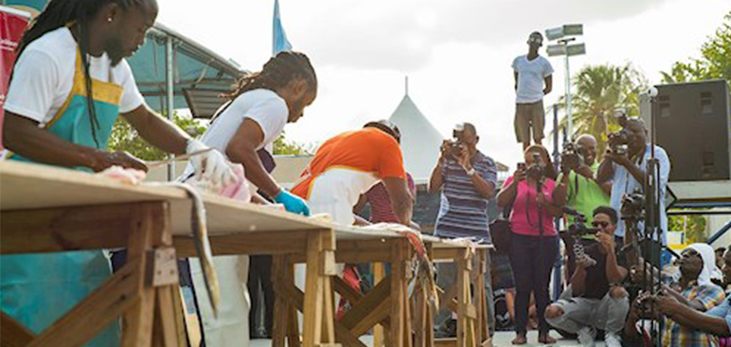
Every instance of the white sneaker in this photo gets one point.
(586, 336)
(612, 340)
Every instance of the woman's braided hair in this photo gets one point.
(277, 72)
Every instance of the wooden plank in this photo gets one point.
(95, 312)
(328, 327)
(12, 333)
(314, 286)
(170, 317)
(32, 186)
(346, 291)
(279, 328)
(400, 320)
(65, 229)
(150, 227)
(445, 342)
(379, 272)
(269, 242)
(365, 313)
(346, 338)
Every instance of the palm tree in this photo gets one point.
(599, 90)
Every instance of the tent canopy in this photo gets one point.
(202, 74)
(420, 141)
(199, 74)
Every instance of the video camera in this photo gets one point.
(633, 206)
(572, 156)
(578, 228)
(619, 141)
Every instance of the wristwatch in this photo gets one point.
(471, 172)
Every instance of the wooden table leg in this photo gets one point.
(379, 272)
(318, 330)
(465, 309)
(279, 324)
(400, 312)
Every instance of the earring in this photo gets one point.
(109, 20)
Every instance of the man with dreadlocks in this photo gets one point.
(68, 86)
(255, 116)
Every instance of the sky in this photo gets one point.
(456, 53)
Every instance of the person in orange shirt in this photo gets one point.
(348, 165)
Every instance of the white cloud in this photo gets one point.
(457, 53)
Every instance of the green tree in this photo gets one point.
(125, 138)
(694, 227)
(599, 90)
(282, 146)
(714, 63)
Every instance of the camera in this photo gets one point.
(455, 148)
(578, 228)
(535, 170)
(619, 141)
(572, 156)
(633, 206)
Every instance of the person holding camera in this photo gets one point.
(694, 291)
(533, 79)
(467, 179)
(628, 171)
(534, 241)
(578, 186)
(598, 301)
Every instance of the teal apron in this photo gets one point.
(38, 289)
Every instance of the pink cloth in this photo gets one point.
(527, 223)
(239, 190)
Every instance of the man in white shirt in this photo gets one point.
(532, 81)
(629, 171)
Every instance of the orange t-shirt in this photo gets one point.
(366, 150)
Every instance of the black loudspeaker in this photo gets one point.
(693, 124)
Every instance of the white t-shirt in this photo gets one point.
(531, 74)
(44, 74)
(263, 106)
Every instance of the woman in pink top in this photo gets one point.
(534, 245)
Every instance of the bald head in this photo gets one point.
(587, 145)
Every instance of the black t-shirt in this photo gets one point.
(596, 286)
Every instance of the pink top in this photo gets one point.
(527, 223)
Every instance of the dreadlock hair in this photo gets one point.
(277, 72)
(59, 13)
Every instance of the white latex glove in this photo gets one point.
(211, 165)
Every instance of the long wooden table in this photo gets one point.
(47, 209)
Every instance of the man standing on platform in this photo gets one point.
(467, 179)
(533, 80)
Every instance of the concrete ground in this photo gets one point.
(501, 339)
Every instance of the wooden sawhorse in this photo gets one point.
(144, 292)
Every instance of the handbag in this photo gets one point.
(501, 232)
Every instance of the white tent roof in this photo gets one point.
(420, 141)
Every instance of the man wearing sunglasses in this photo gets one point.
(596, 300)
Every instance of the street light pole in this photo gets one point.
(565, 42)
(563, 36)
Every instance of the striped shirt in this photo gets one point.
(463, 212)
(676, 335)
(381, 209)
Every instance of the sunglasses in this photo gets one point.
(600, 224)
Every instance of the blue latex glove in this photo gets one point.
(292, 203)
